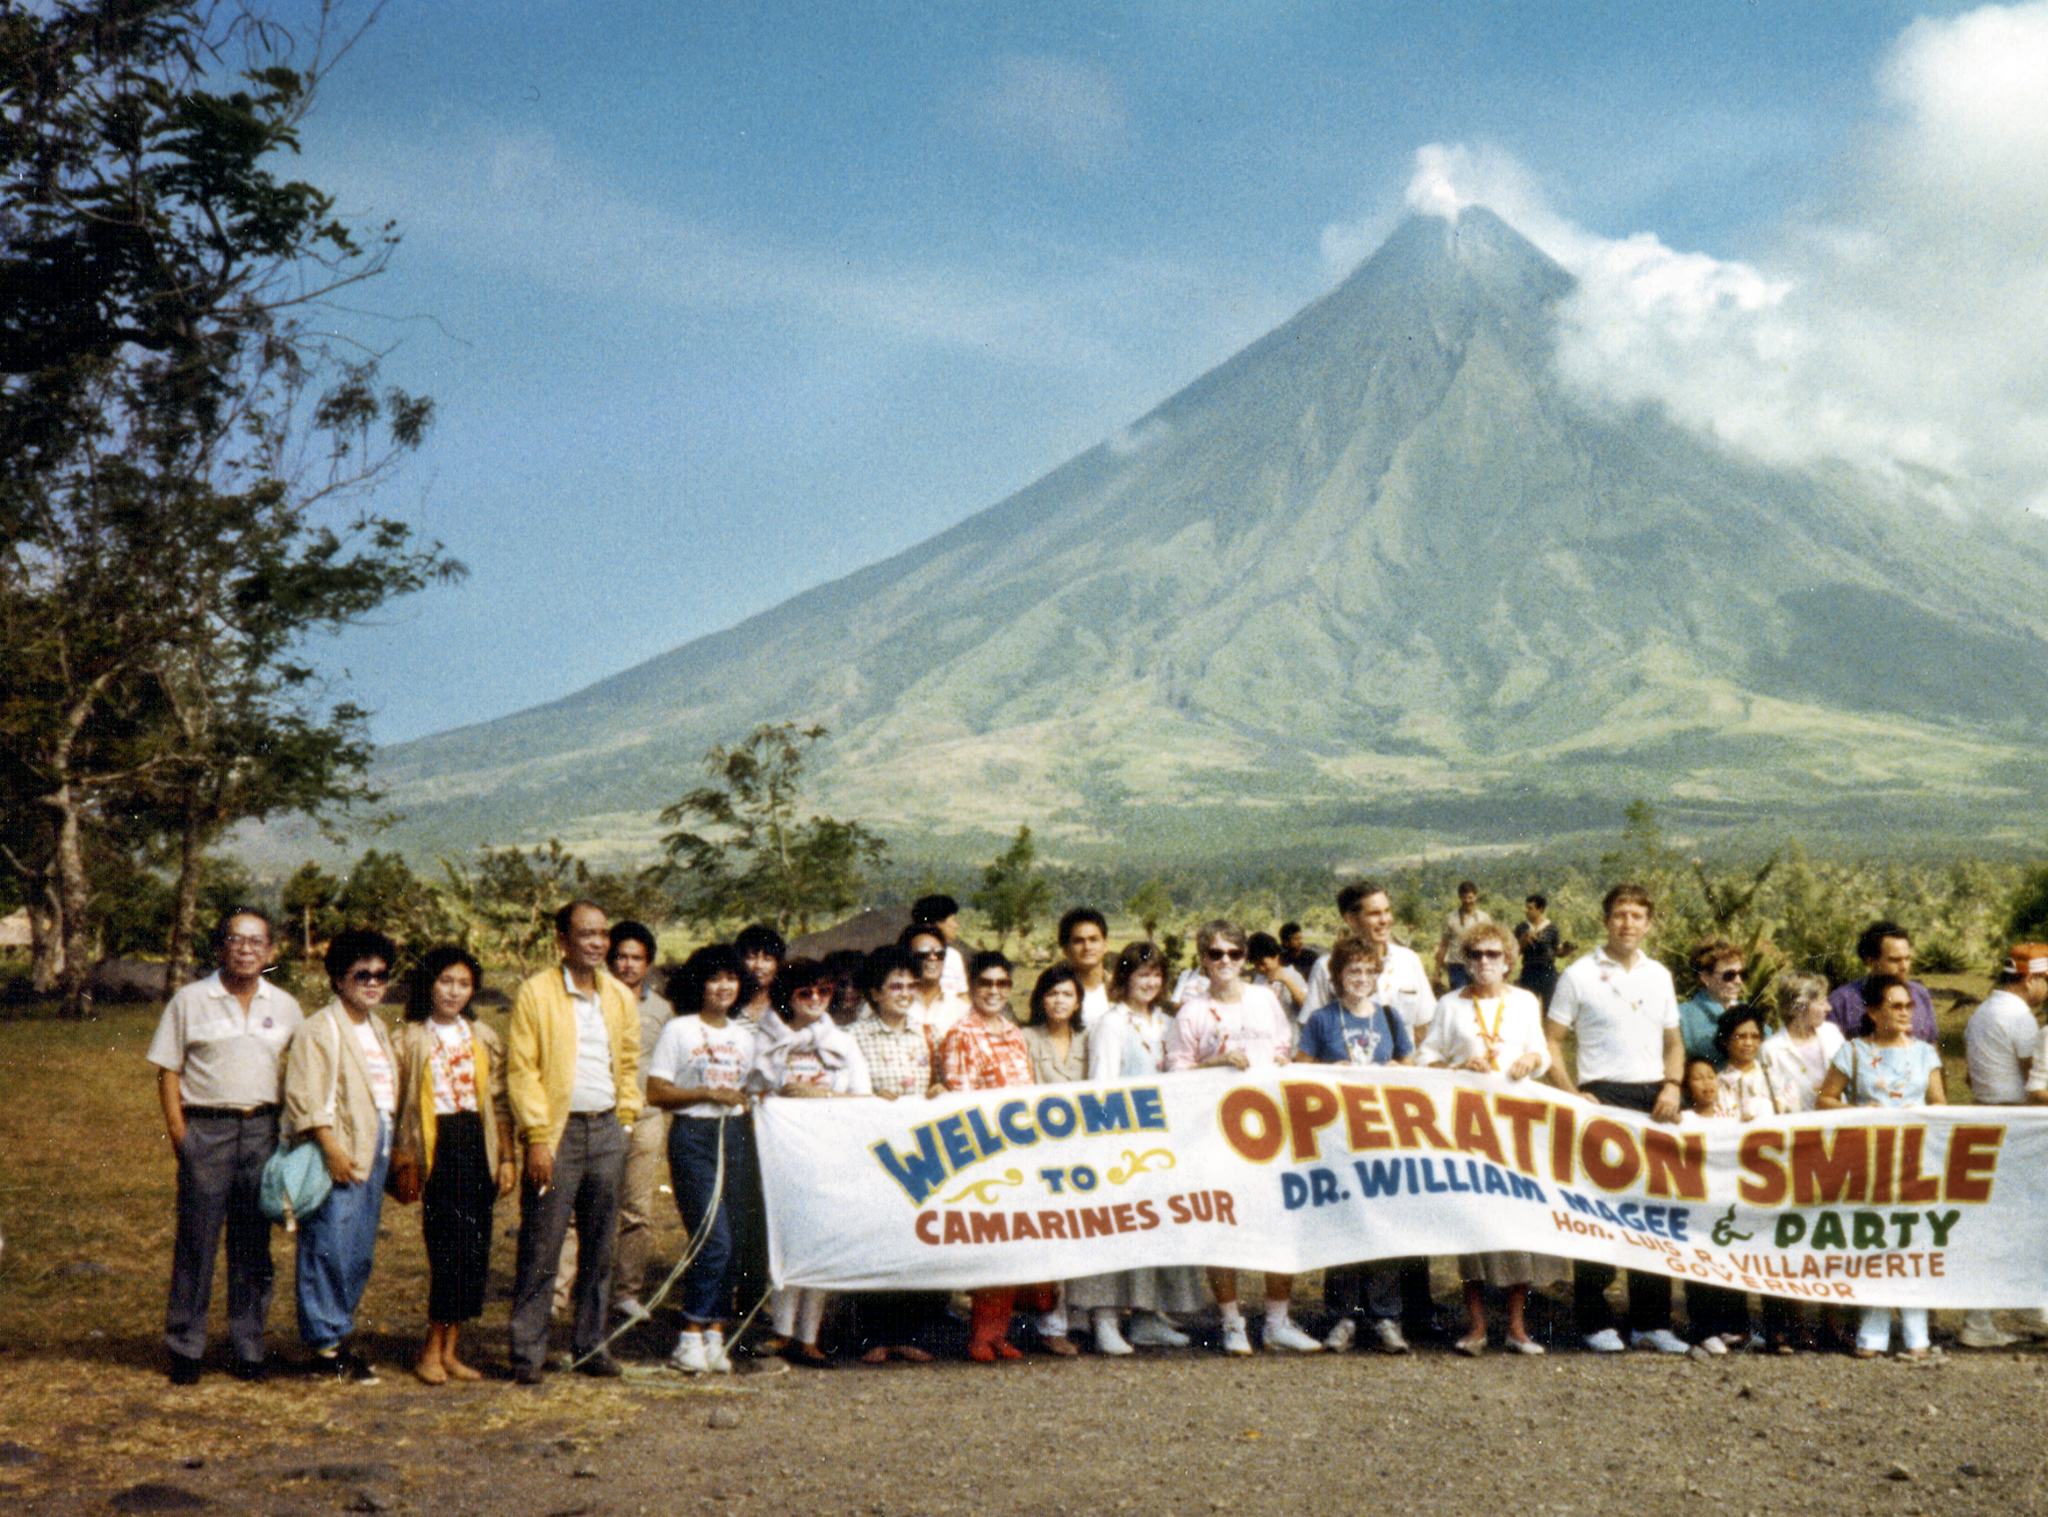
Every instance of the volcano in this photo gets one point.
(1379, 581)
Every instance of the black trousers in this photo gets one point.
(455, 1216)
(1649, 1295)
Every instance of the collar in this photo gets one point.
(217, 990)
(596, 991)
(1602, 956)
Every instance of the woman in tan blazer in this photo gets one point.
(454, 1150)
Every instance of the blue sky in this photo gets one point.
(722, 301)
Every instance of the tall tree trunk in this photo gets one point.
(74, 897)
(45, 936)
(185, 909)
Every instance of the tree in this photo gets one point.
(754, 860)
(185, 449)
(1014, 891)
(308, 901)
(1151, 904)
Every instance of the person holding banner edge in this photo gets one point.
(1624, 1009)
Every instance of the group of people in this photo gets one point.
(601, 1087)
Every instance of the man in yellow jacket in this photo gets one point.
(572, 1076)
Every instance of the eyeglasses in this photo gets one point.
(812, 993)
(245, 940)
(1223, 953)
(370, 976)
(991, 984)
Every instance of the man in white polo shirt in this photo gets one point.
(2001, 1043)
(219, 1056)
(1623, 1008)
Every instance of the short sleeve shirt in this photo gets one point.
(693, 1056)
(2001, 1033)
(1619, 1014)
(222, 1055)
(1885, 1076)
(1254, 1025)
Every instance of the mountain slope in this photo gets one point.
(1378, 561)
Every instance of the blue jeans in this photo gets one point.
(337, 1245)
(693, 1170)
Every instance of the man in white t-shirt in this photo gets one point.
(2001, 1043)
(1623, 1008)
(1084, 940)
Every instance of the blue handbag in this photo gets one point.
(295, 1180)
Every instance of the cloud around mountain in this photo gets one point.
(1899, 324)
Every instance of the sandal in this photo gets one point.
(1472, 1347)
(910, 1353)
(1060, 1348)
(879, 1354)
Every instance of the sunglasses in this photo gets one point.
(929, 953)
(1729, 974)
(812, 993)
(1223, 953)
(992, 984)
(370, 976)
(1473, 955)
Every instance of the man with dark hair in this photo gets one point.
(1450, 964)
(1620, 1003)
(1368, 913)
(572, 1075)
(1294, 953)
(631, 958)
(942, 912)
(1083, 940)
(219, 1053)
(936, 1007)
(1885, 948)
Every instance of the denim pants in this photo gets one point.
(590, 1164)
(220, 1171)
(337, 1245)
(693, 1170)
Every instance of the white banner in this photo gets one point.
(1297, 1169)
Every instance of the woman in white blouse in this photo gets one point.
(1128, 1042)
(1797, 1055)
(1491, 1027)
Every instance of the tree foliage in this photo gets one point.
(1014, 891)
(740, 849)
(186, 448)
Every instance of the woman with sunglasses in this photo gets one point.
(1718, 966)
(985, 1050)
(1490, 1027)
(1229, 1024)
(454, 1149)
(804, 1054)
(341, 1092)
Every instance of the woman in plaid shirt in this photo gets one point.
(985, 1051)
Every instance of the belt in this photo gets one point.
(237, 1112)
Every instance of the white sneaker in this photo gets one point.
(630, 1308)
(1341, 1337)
(1662, 1339)
(1606, 1341)
(1388, 1332)
(1153, 1331)
(1235, 1340)
(716, 1359)
(689, 1356)
(1985, 1335)
(1712, 1344)
(1109, 1341)
(1287, 1338)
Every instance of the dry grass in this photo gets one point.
(86, 1191)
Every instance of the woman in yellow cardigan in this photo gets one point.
(454, 1149)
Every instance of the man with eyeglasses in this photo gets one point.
(1717, 965)
(572, 1078)
(219, 1053)
(934, 1006)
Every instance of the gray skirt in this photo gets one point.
(1510, 1267)
(1167, 1288)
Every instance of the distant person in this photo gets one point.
(632, 956)
(454, 1135)
(943, 913)
(1460, 920)
(1269, 968)
(1620, 1004)
(341, 1092)
(937, 1009)
(1367, 911)
(1885, 948)
(1717, 965)
(1887, 1067)
(1084, 942)
(762, 952)
(1057, 1041)
(1237, 1026)
(572, 1068)
(1536, 939)
(219, 1053)
(1295, 952)
(2001, 1043)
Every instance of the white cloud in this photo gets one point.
(1900, 325)
(1068, 109)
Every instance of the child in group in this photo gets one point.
(1889, 1067)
